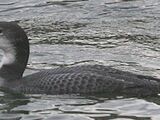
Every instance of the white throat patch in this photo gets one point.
(9, 53)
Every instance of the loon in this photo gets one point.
(84, 79)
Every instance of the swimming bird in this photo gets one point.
(84, 79)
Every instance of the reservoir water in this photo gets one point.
(124, 34)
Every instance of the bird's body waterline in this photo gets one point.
(85, 79)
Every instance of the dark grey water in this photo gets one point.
(122, 33)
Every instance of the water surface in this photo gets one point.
(124, 34)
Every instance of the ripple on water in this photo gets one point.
(121, 33)
(77, 107)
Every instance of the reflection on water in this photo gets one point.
(124, 34)
(72, 107)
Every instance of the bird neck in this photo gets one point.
(14, 60)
